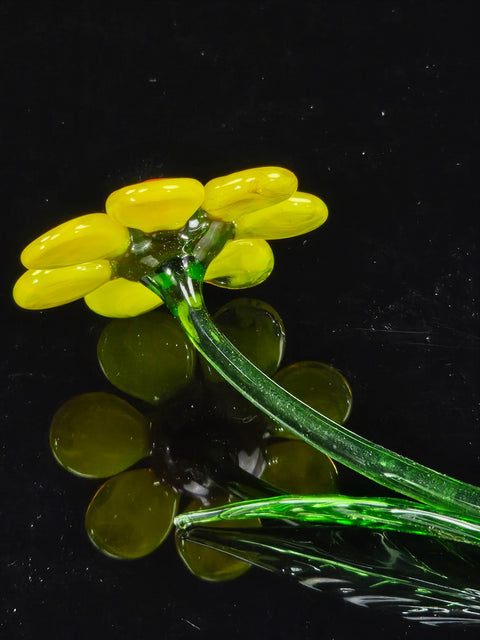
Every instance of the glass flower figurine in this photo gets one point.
(159, 241)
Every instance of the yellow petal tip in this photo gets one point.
(162, 204)
(232, 196)
(45, 288)
(93, 236)
(299, 214)
(121, 298)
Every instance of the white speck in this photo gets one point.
(202, 53)
(382, 113)
(152, 80)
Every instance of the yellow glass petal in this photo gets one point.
(156, 205)
(82, 239)
(241, 264)
(301, 213)
(229, 197)
(121, 298)
(45, 288)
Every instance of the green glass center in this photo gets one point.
(200, 240)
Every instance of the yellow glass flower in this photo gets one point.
(79, 258)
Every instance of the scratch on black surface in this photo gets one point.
(191, 623)
(452, 338)
(391, 331)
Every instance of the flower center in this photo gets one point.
(200, 240)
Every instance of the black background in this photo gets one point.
(373, 105)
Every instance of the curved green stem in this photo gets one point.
(180, 285)
(372, 513)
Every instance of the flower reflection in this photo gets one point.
(190, 440)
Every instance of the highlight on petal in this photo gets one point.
(121, 298)
(45, 288)
(79, 240)
(156, 205)
(301, 213)
(241, 264)
(229, 197)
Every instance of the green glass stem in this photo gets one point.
(373, 513)
(179, 284)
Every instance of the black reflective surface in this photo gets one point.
(423, 579)
(373, 105)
